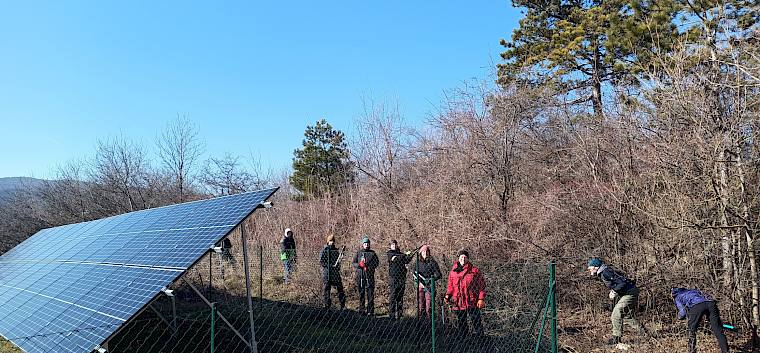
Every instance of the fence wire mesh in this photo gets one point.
(290, 313)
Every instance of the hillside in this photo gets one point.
(10, 184)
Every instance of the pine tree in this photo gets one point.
(322, 165)
(581, 45)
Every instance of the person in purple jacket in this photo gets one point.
(693, 304)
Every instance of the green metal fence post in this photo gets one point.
(213, 316)
(432, 312)
(553, 279)
(545, 312)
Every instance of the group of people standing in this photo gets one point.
(465, 290)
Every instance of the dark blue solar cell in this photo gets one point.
(68, 288)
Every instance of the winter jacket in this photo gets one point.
(288, 248)
(427, 269)
(466, 286)
(615, 280)
(397, 267)
(327, 259)
(371, 261)
(686, 299)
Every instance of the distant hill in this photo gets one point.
(9, 185)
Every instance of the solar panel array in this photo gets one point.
(68, 288)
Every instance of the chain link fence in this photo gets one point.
(208, 309)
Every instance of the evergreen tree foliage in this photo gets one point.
(322, 165)
(581, 45)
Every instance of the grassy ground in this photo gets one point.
(283, 327)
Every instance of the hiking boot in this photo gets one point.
(614, 340)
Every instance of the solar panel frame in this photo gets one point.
(74, 257)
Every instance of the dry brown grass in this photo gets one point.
(7, 347)
(588, 333)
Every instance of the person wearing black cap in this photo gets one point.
(365, 262)
(329, 260)
(627, 295)
(466, 293)
(396, 279)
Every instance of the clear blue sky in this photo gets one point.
(252, 74)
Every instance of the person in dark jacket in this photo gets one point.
(226, 250)
(396, 279)
(466, 293)
(627, 295)
(426, 269)
(365, 262)
(693, 304)
(329, 259)
(288, 253)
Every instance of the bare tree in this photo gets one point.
(179, 148)
(225, 176)
(120, 169)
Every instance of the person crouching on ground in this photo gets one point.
(466, 293)
(627, 295)
(693, 304)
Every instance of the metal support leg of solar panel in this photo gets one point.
(73, 288)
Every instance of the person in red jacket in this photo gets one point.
(466, 293)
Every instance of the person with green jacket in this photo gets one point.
(288, 253)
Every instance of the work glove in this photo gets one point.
(408, 253)
(362, 264)
(393, 258)
(481, 303)
(613, 294)
(447, 299)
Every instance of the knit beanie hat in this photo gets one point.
(365, 239)
(595, 262)
(463, 252)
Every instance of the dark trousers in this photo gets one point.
(474, 314)
(396, 301)
(695, 314)
(326, 293)
(367, 296)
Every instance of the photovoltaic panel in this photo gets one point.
(68, 288)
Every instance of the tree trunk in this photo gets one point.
(596, 88)
(721, 188)
(749, 236)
